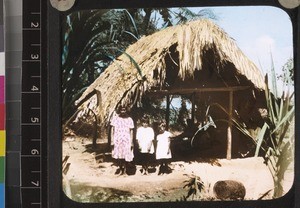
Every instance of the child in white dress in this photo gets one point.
(145, 137)
(163, 151)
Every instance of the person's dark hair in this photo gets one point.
(162, 124)
(123, 114)
(145, 119)
(120, 107)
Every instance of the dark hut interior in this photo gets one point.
(229, 95)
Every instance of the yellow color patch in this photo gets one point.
(2, 143)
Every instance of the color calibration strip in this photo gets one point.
(13, 64)
(2, 110)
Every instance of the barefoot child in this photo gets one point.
(145, 137)
(122, 139)
(163, 151)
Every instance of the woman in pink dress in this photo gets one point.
(122, 139)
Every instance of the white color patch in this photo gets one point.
(2, 64)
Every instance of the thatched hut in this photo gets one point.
(197, 57)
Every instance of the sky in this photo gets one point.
(259, 32)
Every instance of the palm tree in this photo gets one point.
(93, 39)
(83, 59)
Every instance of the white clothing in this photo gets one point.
(163, 150)
(145, 137)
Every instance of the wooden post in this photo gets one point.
(229, 129)
(193, 107)
(168, 112)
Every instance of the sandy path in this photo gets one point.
(94, 181)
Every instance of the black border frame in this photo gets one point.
(55, 196)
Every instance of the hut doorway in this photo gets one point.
(181, 106)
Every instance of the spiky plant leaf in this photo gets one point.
(286, 118)
(260, 138)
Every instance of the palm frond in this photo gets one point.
(132, 22)
(132, 35)
(137, 67)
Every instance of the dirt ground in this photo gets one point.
(91, 178)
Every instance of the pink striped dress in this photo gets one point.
(122, 140)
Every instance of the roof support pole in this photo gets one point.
(168, 112)
(229, 129)
(193, 107)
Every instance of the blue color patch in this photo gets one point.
(2, 194)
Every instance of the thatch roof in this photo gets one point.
(183, 49)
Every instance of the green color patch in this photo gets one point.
(2, 169)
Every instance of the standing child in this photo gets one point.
(145, 137)
(163, 151)
(122, 139)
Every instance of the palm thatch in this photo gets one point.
(168, 59)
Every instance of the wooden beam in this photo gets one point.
(195, 90)
(193, 107)
(168, 112)
(229, 129)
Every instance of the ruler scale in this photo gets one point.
(31, 130)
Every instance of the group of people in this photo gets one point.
(123, 143)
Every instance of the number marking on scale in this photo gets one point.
(31, 154)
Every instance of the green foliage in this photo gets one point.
(195, 187)
(260, 139)
(93, 39)
(288, 72)
(137, 67)
(182, 15)
(239, 125)
(66, 183)
(154, 108)
(276, 138)
(280, 136)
